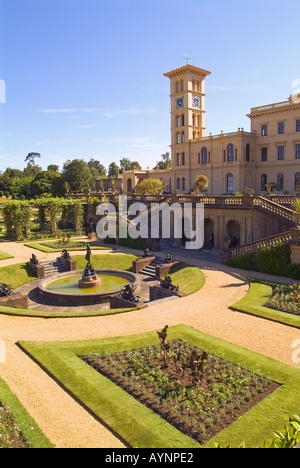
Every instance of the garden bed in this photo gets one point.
(11, 436)
(200, 407)
(285, 298)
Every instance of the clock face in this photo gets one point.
(196, 102)
(179, 102)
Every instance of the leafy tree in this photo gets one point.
(30, 158)
(53, 168)
(127, 165)
(201, 183)
(150, 186)
(113, 170)
(96, 168)
(78, 175)
(165, 163)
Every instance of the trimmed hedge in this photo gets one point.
(275, 261)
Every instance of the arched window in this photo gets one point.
(177, 121)
(280, 182)
(181, 85)
(297, 181)
(183, 184)
(182, 120)
(247, 152)
(230, 183)
(204, 155)
(177, 86)
(178, 184)
(182, 137)
(230, 153)
(263, 182)
(178, 137)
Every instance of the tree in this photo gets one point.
(150, 186)
(78, 175)
(201, 183)
(127, 165)
(165, 163)
(53, 168)
(97, 169)
(113, 170)
(30, 158)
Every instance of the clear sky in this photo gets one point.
(84, 78)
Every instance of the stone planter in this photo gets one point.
(164, 269)
(157, 293)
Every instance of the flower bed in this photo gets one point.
(10, 436)
(285, 298)
(198, 403)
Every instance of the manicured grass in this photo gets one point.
(254, 302)
(112, 261)
(189, 278)
(138, 425)
(16, 275)
(4, 256)
(71, 247)
(30, 431)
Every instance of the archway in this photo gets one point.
(233, 231)
(129, 186)
(209, 239)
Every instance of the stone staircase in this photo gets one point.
(53, 267)
(150, 270)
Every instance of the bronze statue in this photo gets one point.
(88, 253)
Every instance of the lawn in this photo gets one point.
(59, 246)
(140, 427)
(4, 256)
(255, 301)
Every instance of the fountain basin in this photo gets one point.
(64, 290)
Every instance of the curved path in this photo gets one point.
(61, 418)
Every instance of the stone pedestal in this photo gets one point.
(164, 269)
(117, 302)
(19, 301)
(69, 263)
(157, 293)
(37, 269)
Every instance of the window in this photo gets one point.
(263, 182)
(178, 137)
(280, 152)
(198, 121)
(230, 153)
(204, 155)
(264, 130)
(247, 152)
(297, 181)
(178, 184)
(298, 151)
(280, 182)
(178, 159)
(264, 154)
(182, 137)
(230, 183)
(280, 128)
(177, 121)
(183, 159)
(298, 125)
(182, 120)
(183, 184)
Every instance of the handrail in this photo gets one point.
(254, 247)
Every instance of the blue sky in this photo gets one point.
(84, 78)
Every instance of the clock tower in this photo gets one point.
(187, 85)
(187, 93)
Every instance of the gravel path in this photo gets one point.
(61, 418)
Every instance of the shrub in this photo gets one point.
(244, 262)
(274, 260)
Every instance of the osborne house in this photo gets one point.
(269, 153)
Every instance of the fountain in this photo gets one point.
(88, 287)
(89, 278)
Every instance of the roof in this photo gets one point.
(187, 68)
